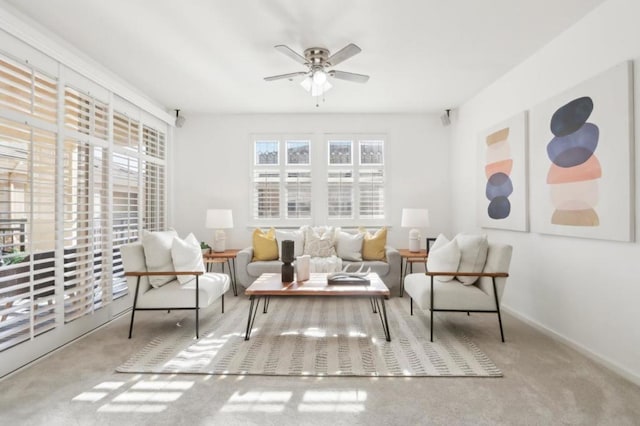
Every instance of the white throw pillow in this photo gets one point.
(349, 246)
(187, 256)
(473, 255)
(296, 236)
(319, 242)
(157, 255)
(444, 256)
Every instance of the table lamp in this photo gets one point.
(219, 219)
(414, 218)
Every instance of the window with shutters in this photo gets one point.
(87, 271)
(282, 178)
(153, 172)
(356, 184)
(28, 232)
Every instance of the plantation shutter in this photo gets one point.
(340, 189)
(86, 270)
(27, 270)
(371, 193)
(266, 194)
(298, 194)
(27, 91)
(154, 207)
(126, 208)
(153, 174)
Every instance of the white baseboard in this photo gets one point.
(611, 365)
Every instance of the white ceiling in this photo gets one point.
(212, 55)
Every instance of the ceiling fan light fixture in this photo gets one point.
(319, 77)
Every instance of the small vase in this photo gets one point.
(287, 259)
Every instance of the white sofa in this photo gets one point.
(247, 270)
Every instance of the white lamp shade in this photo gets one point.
(219, 219)
(415, 218)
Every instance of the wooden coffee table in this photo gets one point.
(271, 285)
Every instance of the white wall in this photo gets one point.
(212, 155)
(586, 292)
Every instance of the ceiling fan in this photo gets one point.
(318, 60)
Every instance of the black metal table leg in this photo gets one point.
(372, 300)
(232, 275)
(383, 318)
(252, 315)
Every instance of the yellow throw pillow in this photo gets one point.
(373, 247)
(265, 246)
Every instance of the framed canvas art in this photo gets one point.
(502, 160)
(581, 159)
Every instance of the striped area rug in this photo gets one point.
(313, 337)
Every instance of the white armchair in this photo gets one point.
(453, 296)
(194, 295)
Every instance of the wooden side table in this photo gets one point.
(229, 257)
(407, 259)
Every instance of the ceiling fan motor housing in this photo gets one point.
(316, 56)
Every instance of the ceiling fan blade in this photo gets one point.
(291, 53)
(281, 76)
(344, 54)
(349, 76)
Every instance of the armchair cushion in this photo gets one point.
(157, 254)
(187, 256)
(444, 256)
(473, 255)
(211, 286)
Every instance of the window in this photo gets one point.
(281, 178)
(27, 259)
(70, 197)
(284, 171)
(356, 185)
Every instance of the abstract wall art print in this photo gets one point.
(502, 159)
(581, 162)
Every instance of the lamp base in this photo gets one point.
(414, 245)
(219, 241)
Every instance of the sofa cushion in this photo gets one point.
(319, 241)
(473, 255)
(257, 267)
(327, 264)
(349, 246)
(297, 236)
(373, 247)
(264, 245)
(444, 256)
(157, 255)
(378, 266)
(187, 256)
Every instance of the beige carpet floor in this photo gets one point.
(545, 382)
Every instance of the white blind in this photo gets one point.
(298, 194)
(27, 91)
(126, 210)
(266, 194)
(340, 189)
(87, 271)
(27, 247)
(126, 132)
(154, 196)
(371, 193)
(85, 114)
(153, 142)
